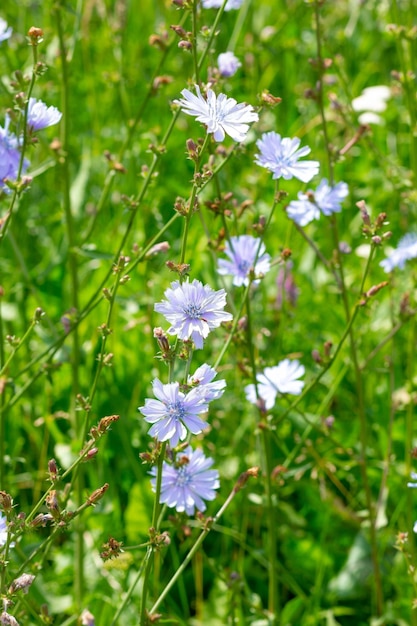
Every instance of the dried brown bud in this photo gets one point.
(269, 99)
(6, 501)
(41, 519)
(53, 470)
(97, 494)
(157, 41)
(243, 478)
(111, 549)
(162, 339)
(179, 30)
(35, 35)
(51, 502)
(22, 583)
(375, 288)
(8, 620)
(185, 45)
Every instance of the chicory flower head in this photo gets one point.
(281, 157)
(222, 115)
(194, 310)
(216, 4)
(188, 482)
(246, 253)
(5, 30)
(202, 379)
(174, 412)
(407, 249)
(281, 379)
(228, 64)
(325, 199)
(41, 116)
(9, 155)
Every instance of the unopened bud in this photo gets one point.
(364, 212)
(269, 99)
(22, 583)
(87, 618)
(35, 35)
(97, 494)
(53, 470)
(185, 45)
(375, 288)
(179, 30)
(6, 501)
(252, 472)
(41, 520)
(162, 339)
(91, 454)
(51, 502)
(162, 246)
(8, 620)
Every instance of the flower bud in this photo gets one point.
(22, 583)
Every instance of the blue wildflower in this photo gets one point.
(188, 482)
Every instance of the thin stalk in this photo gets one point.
(2, 405)
(74, 290)
(355, 360)
(193, 550)
(18, 188)
(150, 551)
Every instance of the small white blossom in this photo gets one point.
(216, 4)
(407, 249)
(222, 115)
(5, 30)
(228, 64)
(283, 378)
(325, 199)
(281, 157)
(373, 100)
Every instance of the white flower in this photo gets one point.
(5, 31)
(41, 116)
(228, 64)
(216, 4)
(407, 249)
(283, 378)
(222, 115)
(325, 199)
(373, 100)
(245, 253)
(281, 157)
(202, 381)
(194, 310)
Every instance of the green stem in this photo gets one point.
(18, 188)
(150, 553)
(192, 552)
(273, 591)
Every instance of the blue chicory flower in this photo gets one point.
(188, 482)
(281, 157)
(5, 30)
(407, 249)
(228, 64)
(246, 253)
(41, 116)
(221, 115)
(326, 199)
(193, 309)
(202, 379)
(9, 155)
(216, 4)
(174, 412)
